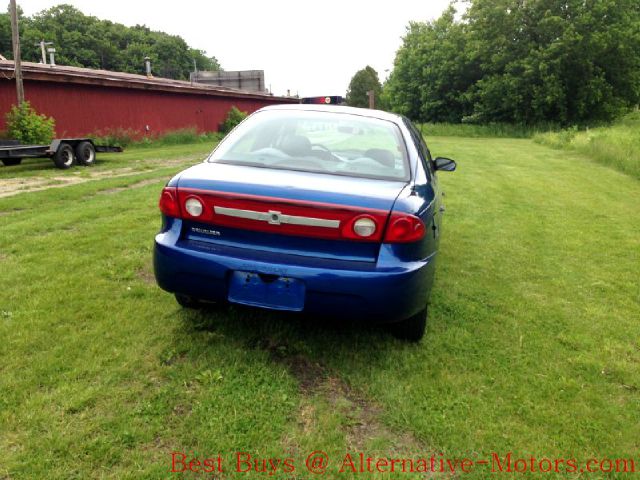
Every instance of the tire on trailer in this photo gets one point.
(64, 156)
(11, 161)
(85, 153)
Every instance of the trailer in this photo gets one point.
(63, 151)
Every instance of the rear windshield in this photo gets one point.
(314, 141)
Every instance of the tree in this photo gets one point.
(363, 81)
(432, 72)
(568, 62)
(571, 62)
(86, 41)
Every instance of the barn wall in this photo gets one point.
(84, 109)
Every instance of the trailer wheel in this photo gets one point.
(11, 161)
(64, 156)
(85, 153)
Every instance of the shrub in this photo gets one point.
(118, 136)
(178, 137)
(234, 117)
(184, 136)
(128, 137)
(28, 126)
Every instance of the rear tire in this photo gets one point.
(64, 157)
(85, 153)
(412, 329)
(8, 162)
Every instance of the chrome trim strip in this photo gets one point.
(276, 218)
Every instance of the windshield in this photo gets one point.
(315, 141)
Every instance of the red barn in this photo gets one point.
(84, 101)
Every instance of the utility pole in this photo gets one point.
(372, 98)
(15, 39)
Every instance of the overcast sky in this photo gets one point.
(310, 47)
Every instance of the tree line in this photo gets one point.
(519, 61)
(86, 41)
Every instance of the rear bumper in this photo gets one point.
(387, 291)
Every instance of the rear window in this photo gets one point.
(313, 141)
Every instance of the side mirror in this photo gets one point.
(445, 164)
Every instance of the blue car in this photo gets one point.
(328, 210)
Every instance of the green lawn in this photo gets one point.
(533, 345)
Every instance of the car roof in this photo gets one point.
(363, 112)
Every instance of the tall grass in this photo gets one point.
(135, 139)
(617, 146)
(494, 130)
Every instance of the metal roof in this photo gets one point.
(107, 78)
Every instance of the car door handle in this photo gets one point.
(442, 209)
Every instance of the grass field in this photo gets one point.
(533, 345)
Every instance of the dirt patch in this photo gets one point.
(5, 213)
(306, 418)
(14, 186)
(364, 423)
(181, 410)
(310, 375)
(140, 184)
(365, 420)
(158, 451)
(146, 275)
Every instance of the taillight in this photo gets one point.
(169, 202)
(404, 228)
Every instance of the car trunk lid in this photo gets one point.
(283, 211)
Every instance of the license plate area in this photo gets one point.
(267, 291)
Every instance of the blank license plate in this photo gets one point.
(268, 291)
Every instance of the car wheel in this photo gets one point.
(85, 153)
(11, 161)
(411, 329)
(188, 302)
(64, 157)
